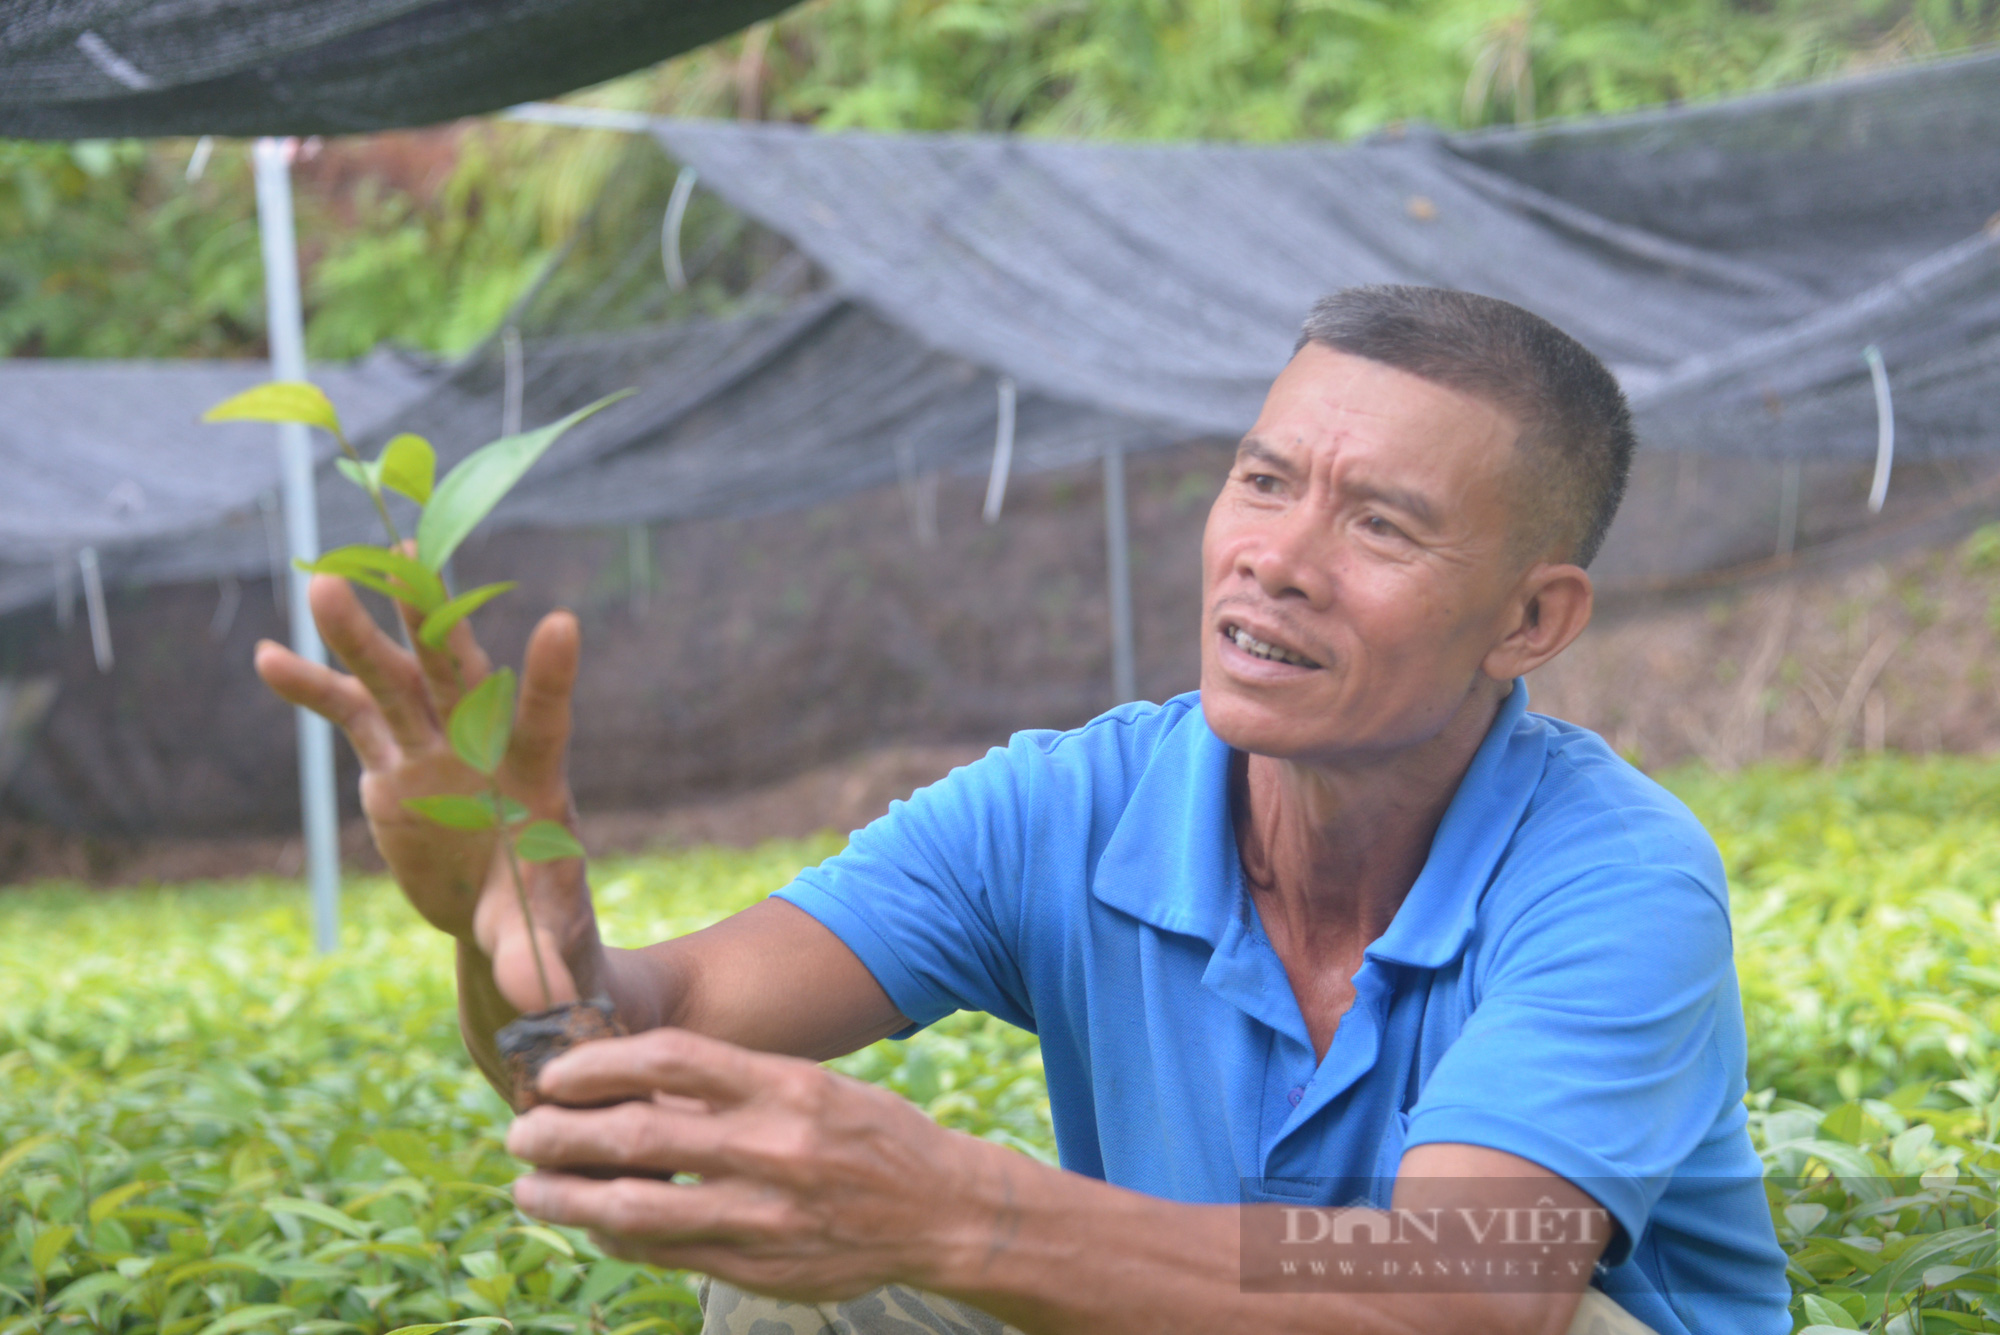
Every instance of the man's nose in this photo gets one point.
(1293, 556)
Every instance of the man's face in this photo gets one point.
(1366, 537)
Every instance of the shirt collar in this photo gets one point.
(1168, 860)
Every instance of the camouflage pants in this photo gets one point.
(897, 1310)
(891, 1310)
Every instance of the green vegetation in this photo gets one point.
(205, 1130)
(108, 250)
(1867, 921)
(1282, 69)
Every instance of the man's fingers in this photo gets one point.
(670, 1061)
(384, 667)
(335, 697)
(452, 670)
(671, 1136)
(640, 1208)
(542, 720)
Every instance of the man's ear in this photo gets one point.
(1549, 610)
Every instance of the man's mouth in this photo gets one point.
(1250, 644)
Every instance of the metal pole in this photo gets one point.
(288, 362)
(1788, 507)
(1118, 563)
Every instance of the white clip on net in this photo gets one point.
(670, 228)
(93, 602)
(1885, 429)
(1003, 453)
(101, 54)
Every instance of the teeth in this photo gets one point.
(1250, 644)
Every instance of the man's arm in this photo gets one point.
(770, 978)
(816, 1187)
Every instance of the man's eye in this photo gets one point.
(1263, 482)
(1381, 527)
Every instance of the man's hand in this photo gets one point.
(770, 977)
(393, 710)
(813, 1185)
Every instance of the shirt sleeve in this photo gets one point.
(1590, 1049)
(928, 896)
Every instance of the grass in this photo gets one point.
(205, 1130)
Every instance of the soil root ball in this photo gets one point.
(533, 1041)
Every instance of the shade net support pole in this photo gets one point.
(1118, 569)
(65, 592)
(288, 362)
(1788, 507)
(514, 377)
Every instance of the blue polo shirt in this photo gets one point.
(1558, 985)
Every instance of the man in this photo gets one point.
(1349, 928)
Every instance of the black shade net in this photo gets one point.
(76, 69)
(858, 300)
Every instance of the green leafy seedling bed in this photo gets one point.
(206, 1130)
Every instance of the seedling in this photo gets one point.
(481, 723)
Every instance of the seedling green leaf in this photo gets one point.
(358, 473)
(483, 721)
(279, 401)
(548, 1237)
(49, 1246)
(318, 1213)
(454, 811)
(408, 467)
(643, 1324)
(478, 1322)
(83, 1296)
(495, 1289)
(1821, 1312)
(471, 490)
(1805, 1217)
(547, 841)
(247, 1318)
(107, 1205)
(439, 622)
(420, 586)
(16, 1153)
(1851, 1124)
(410, 1150)
(364, 579)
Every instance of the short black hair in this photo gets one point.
(1576, 429)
